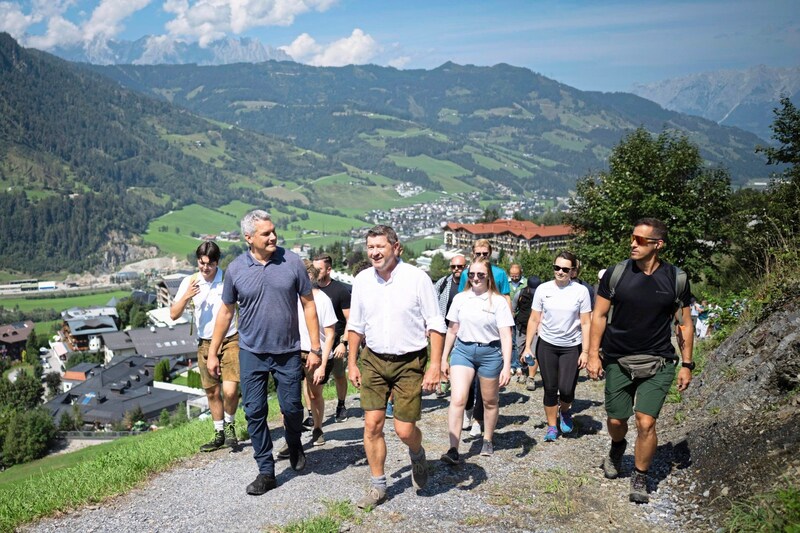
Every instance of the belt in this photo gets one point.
(493, 344)
(399, 357)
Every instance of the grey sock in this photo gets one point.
(378, 482)
(420, 455)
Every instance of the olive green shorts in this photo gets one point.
(649, 393)
(339, 366)
(403, 376)
(228, 361)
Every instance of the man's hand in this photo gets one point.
(340, 351)
(432, 378)
(355, 375)
(212, 364)
(594, 367)
(313, 362)
(684, 378)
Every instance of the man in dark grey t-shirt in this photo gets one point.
(266, 282)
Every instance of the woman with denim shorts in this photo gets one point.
(478, 340)
(560, 314)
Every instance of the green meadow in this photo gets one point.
(62, 302)
(442, 172)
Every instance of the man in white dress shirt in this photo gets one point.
(395, 307)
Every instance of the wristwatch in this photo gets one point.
(318, 351)
(690, 365)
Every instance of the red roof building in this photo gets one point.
(511, 236)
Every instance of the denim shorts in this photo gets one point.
(486, 359)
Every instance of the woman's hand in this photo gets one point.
(505, 376)
(583, 358)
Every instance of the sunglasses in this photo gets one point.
(479, 275)
(481, 254)
(643, 241)
(565, 270)
(457, 267)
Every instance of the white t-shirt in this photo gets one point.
(479, 320)
(325, 315)
(207, 304)
(561, 309)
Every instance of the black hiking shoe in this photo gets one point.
(308, 423)
(230, 435)
(341, 413)
(261, 484)
(283, 453)
(639, 487)
(612, 463)
(297, 458)
(451, 457)
(216, 443)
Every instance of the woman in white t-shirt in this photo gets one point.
(478, 340)
(561, 315)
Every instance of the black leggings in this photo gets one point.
(559, 368)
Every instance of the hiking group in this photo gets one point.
(398, 336)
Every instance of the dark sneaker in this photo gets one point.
(551, 434)
(261, 484)
(317, 437)
(612, 463)
(451, 457)
(565, 422)
(297, 458)
(530, 383)
(341, 413)
(283, 453)
(373, 497)
(419, 472)
(308, 423)
(216, 443)
(639, 487)
(230, 435)
(488, 449)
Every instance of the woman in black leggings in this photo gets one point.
(561, 314)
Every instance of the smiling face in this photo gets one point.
(559, 275)
(382, 254)
(478, 277)
(207, 268)
(264, 241)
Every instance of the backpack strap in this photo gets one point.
(680, 286)
(616, 274)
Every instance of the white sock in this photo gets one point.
(218, 425)
(228, 418)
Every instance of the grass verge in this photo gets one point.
(330, 521)
(778, 510)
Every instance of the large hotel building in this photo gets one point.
(511, 236)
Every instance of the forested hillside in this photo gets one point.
(503, 123)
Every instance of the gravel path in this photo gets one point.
(528, 485)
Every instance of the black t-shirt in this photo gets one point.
(643, 309)
(339, 293)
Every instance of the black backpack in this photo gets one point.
(524, 302)
(619, 269)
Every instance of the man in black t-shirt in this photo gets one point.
(339, 293)
(644, 310)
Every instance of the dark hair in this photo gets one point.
(533, 283)
(659, 228)
(208, 249)
(382, 230)
(324, 257)
(569, 256)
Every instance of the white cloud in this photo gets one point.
(358, 48)
(209, 20)
(107, 18)
(13, 20)
(60, 32)
(399, 62)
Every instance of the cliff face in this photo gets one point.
(739, 434)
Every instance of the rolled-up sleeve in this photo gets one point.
(429, 306)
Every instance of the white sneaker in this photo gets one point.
(476, 430)
(467, 419)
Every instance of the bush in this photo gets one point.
(28, 436)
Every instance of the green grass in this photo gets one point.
(63, 302)
(23, 367)
(442, 172)
(336, 512)
(777, 510)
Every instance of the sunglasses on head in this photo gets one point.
(479, 275)
(481, 254)
(565, 270)
(457, 267)
(643, 241)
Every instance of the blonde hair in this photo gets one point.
(489, 277)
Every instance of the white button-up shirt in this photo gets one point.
(395, 315)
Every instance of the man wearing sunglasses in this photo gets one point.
(447, 286)
(639, 358)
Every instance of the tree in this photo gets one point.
(53, 382)
(134, 415)
(652, 176)
(27, 392)
(490, 214)
(28, 436)
(66, 422)
(179, 415)
(439, 267)
(161, 370)
(163, 418)
(537, 262)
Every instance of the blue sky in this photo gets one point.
(590, 45)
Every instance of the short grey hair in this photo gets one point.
(248, 223)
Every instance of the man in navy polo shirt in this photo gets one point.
(265, 282)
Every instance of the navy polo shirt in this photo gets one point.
(267, 299)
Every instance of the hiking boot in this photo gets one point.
(565, 422)
(467, 419)
(283, 453)
(216, 443)
(488, 448)
(230, 435)
(261, 484)
(530, 383)
(373, 497)
(551, 435)
(341, 413)
(297, 458)
(419, 472)
(444, 388)
(389, 410)
(639, 487)
(476, 430)
(308, 423)
(451, 457)
(317, 438)
(612, 463)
